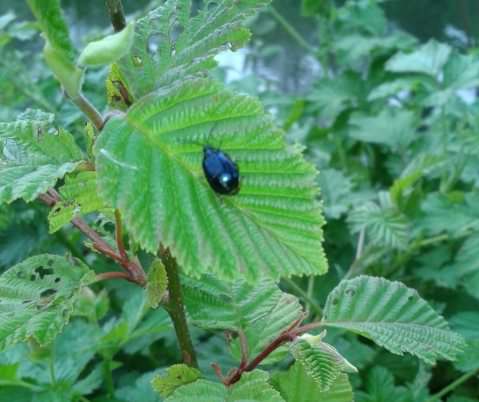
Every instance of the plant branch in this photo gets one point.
(176, 309)
(89, 110)
(117, 15)
(134, 271)
(288, 335)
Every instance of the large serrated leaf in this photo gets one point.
(260, 311)
(170, 44)
(149, 167)
(35, 155)
(297, 386)
(253, 387)
(37, 297)
(392, 315)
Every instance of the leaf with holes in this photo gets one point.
(260, 311)
(170, 44)
(175, 377)
(35, 155)
(37, 298)
(296, 385)
(393, 316)
(149, 167)
(79, 196)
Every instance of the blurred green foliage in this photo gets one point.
(390, 118)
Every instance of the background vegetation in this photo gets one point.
(383, 95)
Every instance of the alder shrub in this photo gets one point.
(149, 236)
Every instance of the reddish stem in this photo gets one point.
(288, 335)
(113, 275)
(135, 272)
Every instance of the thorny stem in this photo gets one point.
(176, 309)
(117, 15)
(134, 272)
(288, 335)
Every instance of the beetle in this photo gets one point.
(220, 171)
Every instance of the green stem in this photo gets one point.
(291, 30)
(452, 386)
(51, 369)
(108, 377)
(304, 295)
(176, 309)
(117, 15)
(89, 110)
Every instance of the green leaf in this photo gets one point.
(336, 189)
(137, 326)
(428, 59)
(149, 167)
(393, 316)
(321, 361)
(260, 310)
(443, 213)
(79, 197)
(70, 77)
(35, 155)
(169, 45)
(380, 388)
(139, 390)
(392, 127)
(253, 387)
(465, 267)
(157, 283)
(109, 49)
(38, 296)
(59, 52)
(467, 324)
(332, 97)
(312, 7)
(383, 223)
(52, 23)
(176, 376)
(296, 385)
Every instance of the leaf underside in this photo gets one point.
(149, 167)
(392, 315)
(260, 311)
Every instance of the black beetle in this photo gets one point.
(220, 171)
